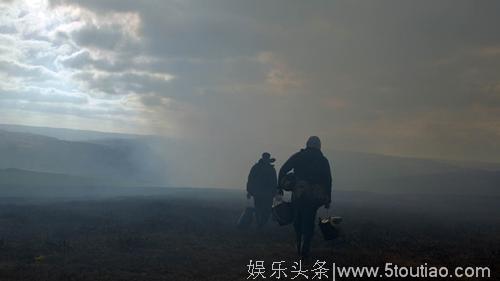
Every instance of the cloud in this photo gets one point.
(45, 95)
(97, 37)
(389, 76)
(71, 60)
(116, 83)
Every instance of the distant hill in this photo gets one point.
(382, 173)
(30, 184)
(466, 182)
(351, 167)
(16, 177)
(67, 134)
(122, 163)
(150, 160)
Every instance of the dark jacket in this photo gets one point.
(262, 179)
(311, 166)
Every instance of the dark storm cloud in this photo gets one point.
(122, 83)
(96, 37)
(84, 60)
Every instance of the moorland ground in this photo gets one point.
(191, 235)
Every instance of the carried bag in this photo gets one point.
(283, 212)
(329, 227)
(246, 218)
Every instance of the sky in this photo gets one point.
(416, 78)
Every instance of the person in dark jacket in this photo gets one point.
(313, 176)
(262, 186)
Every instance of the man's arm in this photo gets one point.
(275, 182)
(287, 167)
(275, 177)
(251, 181)
(329, 175)
(328, 179)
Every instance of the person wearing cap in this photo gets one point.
(313, 176)
(261, 185)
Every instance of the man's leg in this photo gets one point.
(267, 209)
(259, 210)
(309, 219)
(297, 224)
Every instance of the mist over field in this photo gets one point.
(69, 157)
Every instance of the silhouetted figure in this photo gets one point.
(262, 185)
(313, 189)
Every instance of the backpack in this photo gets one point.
(313, 193)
